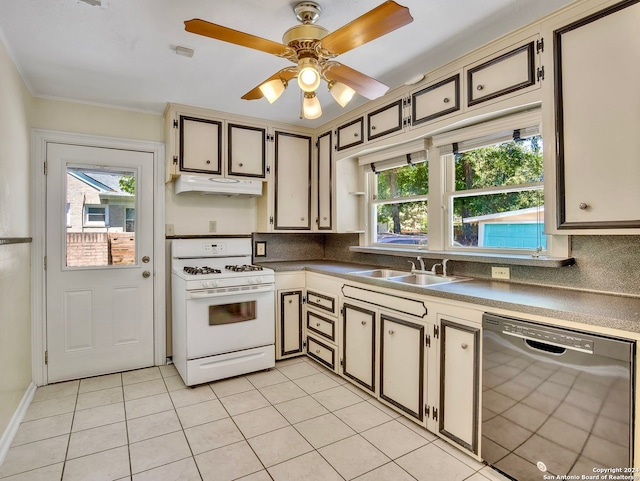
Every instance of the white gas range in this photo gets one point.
(223, 309)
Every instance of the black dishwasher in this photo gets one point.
(555, 402)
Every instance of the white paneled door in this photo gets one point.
(99, 256)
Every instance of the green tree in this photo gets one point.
(128, 184)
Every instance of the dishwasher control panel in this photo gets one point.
(548, 336)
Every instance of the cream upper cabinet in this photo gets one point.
(292, 181)
(200, 145)
(350, 134)
(247, 150)
(324, 183)
(593, 106)
(510, 70)
(436, 100)
(386, 120)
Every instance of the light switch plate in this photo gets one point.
(261, 249)
(169, 230)
(500, 272)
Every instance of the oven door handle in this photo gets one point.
(229, 291)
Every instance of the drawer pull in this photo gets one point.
(446, 100)
(240, 164)
(301, 218)
(355, 134)
(317, 324)
(373, 127)
(583, 206)
(318, 301)
(464, 345)
(208, 161)
(391, 332)
(480, 87)
(364, 323)
(317, 351)
(290, 301)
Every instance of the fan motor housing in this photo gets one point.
(301, 33)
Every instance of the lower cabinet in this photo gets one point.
(359, 345)
(402, 374)
(289, 314)
(459, 383)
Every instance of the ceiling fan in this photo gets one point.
(313, 49)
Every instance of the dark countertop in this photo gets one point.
(603, 310)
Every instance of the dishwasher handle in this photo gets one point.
(544, 347)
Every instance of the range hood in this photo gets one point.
(218, 185)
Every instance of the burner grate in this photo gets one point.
(243, 268)
(201, 270)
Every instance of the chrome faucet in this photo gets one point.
(413, 266)
(434, 268)
(421, 260)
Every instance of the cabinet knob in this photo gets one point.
(290, 301)
(373, 127)
(208, 161)
(391, 331)
(464, 345)
(355, 134)
(317, 351)
(318, 301)
(324, 218)
(583, 206)
(317, 324)
(240, 164)
(446, 100)
(301, 218)
(364, 323)
(480, 87)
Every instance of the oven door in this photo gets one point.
(229, 319)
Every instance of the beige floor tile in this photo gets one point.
(301, 409)
(141, 375)
(291, 360)
(34, 455)
(144, 389)
(362, 416)
(99, 416)
(384, 408)
(50, 407)
(266, 378)
(282, 392)
(44, 428)
(418, 429)
(308, 467)
(48, 473)
(337, 398)
(259, 476)
(244, 402)
(55, 391)
(154, 452)
(183, 470)
(394, 439)
(153, 425)
(458, 454)
(228, 462)
(388, 472)
(353, 457)
(168, 371)
(430, 462)
(298, 370)
(316, 383)
(90, 441)
(99, 398)
(148, 405)
(280, 445)
(323, 430)
(358, 391)
(103, 466)
(228, 387)
(206, 437)
(195, 395)
(259, 421)
(202, 413)
(100, 382)
(174, 383)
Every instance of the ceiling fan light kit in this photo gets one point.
(313, 49)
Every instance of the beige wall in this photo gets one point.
(15, 260)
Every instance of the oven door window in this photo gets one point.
(232, 313)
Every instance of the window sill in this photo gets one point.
(481, 257)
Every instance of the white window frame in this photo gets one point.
(85, 215)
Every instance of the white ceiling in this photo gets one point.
(123, 53)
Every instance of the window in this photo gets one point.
(130, 220)
(95, 215)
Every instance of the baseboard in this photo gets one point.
(16, 419)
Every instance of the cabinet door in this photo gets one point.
(506, 73)
(324, 179)
(200, 145)
(597, 115)
(358, 344)
(247, 155)
(436, 100)
(385, 120)
(350, 134)
(292, 206)
(290, 323)
(458, 419)
(402, 364)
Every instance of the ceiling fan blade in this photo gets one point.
(381, 20)
(366, 86)
(208, 29)
(255, 94)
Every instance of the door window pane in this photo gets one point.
(100, 220)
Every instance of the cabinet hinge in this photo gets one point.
(304, 344)
(175, 123)
(436, 332)
(271, 220)
(175, 160)
(427, 411)
(540, 45)
(435, 414)
(46, 167)
(303, 300)
(540, 74)
(406, 121)
(342, 311)
(341, 362)
(46, 357)
(268, 169)
(427, 340)
(271, 138)
(45, 263)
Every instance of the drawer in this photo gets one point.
(350, 134)
(321, 301)
(506, 73)
(321, 352)
(321, 325)
(436, 100)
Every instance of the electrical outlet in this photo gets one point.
(213, 226)
(261, 249)
(500, 272)
(169, 230)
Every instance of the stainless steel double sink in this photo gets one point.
(424, 279)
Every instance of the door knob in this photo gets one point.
(146, 274)
(146, 259)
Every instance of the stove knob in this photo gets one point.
(258, 280)
(206, 284)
